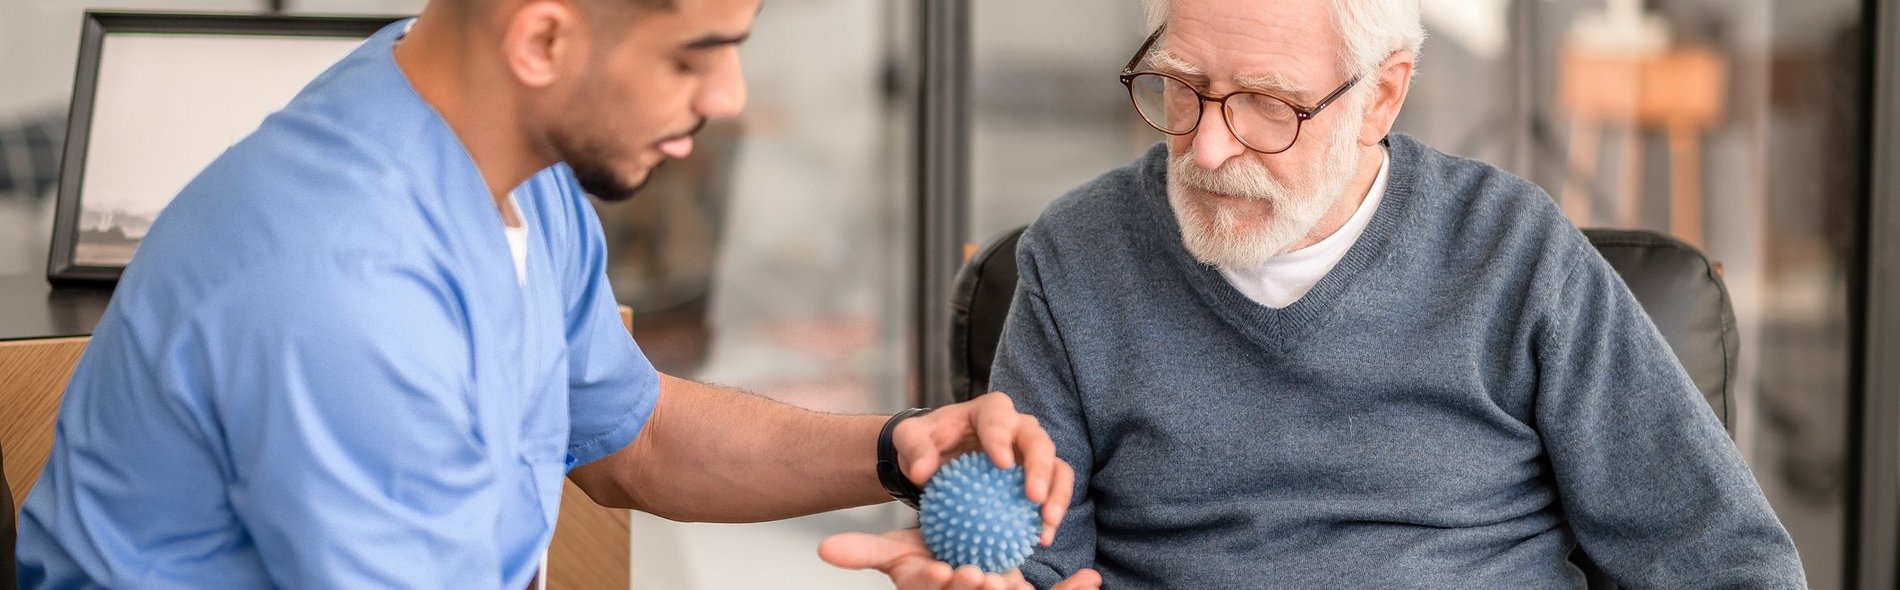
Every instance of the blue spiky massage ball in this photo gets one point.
(975, 513)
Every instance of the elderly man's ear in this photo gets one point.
(1394, 81)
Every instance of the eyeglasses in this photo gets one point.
(1263, 122)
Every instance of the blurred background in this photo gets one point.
(781, 258)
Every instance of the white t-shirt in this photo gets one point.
(1286, 278)
(518, 242)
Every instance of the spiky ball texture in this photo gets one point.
(975, 513)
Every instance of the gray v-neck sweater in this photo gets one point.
(1470, 395)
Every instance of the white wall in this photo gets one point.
(39, 46)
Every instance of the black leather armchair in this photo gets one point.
(1676, 284)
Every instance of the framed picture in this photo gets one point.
(156, 98)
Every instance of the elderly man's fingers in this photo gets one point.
(1015, 580)
(1084, 579)
(859, 551)
(968, 577)
(918, 573)
(900, 554)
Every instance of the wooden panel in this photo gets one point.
(592, 543)
(1599, 86)
(33, 375)
(1687, 86)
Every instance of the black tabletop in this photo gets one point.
(31, 308)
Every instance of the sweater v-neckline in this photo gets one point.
(1272, 328)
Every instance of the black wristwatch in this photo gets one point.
(889, 472)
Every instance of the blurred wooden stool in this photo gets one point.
(1680, 91)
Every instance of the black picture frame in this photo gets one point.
(63, 267)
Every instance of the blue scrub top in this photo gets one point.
(320, 370)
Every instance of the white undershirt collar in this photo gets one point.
(518, 242)
(1284, 279)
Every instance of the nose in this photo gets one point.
(723, 96)
(1214, 143)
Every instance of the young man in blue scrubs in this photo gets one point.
(363, 348)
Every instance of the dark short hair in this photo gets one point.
(615, 11)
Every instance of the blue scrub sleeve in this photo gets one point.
(613, 388)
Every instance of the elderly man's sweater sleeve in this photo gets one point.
(1034, 368)
(1653, 488)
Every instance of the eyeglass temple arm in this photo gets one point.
(1337, 92)
(1143, 52)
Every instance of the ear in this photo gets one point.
(1394, 80)
(541, 36)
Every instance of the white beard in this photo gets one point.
(1236, 237)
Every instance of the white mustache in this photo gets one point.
(1239, 177)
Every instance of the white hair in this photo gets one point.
(1372, 30)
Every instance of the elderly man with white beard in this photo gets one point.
(1287, 349)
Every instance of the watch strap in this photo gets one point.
(889, 473)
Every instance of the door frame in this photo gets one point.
(1874, 522)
